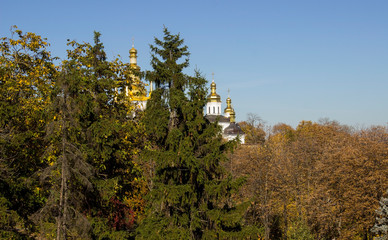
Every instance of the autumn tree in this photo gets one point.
(342, 201)
(315, 181)
(27, 75)
(254, 130)
(254, 163)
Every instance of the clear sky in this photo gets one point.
(284, 60)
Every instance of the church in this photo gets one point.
(137, 94)
(230, 129)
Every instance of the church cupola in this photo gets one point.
(213, 106)
(133, 57)
(213, 96)
(228, 110)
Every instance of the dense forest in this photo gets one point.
(78, 160)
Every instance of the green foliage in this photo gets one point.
(299, 231)
(101, 230)
(156, 126)
(167, 70)
(10, 222)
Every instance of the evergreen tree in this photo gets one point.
(191, 193)
(381, 226)
(70, 175)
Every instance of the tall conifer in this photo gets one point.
(191, 193)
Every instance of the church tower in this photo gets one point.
(213, 106)
(137, 94)
(133, 58)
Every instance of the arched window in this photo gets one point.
(208, 111)
(214, 110)
(218, 110)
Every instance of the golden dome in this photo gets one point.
(133, 58)
(213, 96)
(228, 108)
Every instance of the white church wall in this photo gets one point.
(213, 108)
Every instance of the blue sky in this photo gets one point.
(284, 60)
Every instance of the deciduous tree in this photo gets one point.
(27, 75)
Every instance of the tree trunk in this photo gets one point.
(61, 220)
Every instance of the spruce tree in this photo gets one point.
(190, 192)
(381, 226)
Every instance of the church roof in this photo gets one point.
(233, 128)
(213, 96)
(220, 118)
